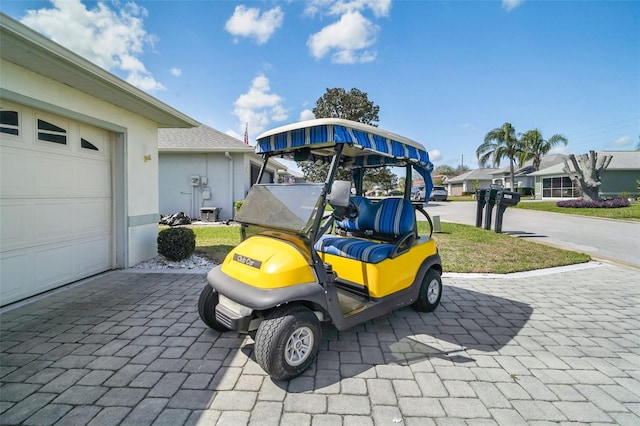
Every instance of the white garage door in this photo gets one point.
(55, 202)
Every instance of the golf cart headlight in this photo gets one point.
(235, 307)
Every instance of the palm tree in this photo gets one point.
(499, 143)
(535, 146)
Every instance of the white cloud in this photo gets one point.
(112, 39)
(247, 22)
(623, 141)
(307, 114)
(468, 126)
(176, 72)
(435, 155)
(511, 4)
(258, 107)
(346, 40)
(379, 8)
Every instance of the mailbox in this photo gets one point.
(480, 202)
(504, 199)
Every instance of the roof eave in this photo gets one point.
(204, 150)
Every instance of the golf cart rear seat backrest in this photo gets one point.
(388, 218)
(388, 226)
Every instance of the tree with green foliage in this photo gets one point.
(380, 177)
(444, 169)
(353, 105)
(499, 143)
(535, 146)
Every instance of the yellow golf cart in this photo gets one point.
(300, 264)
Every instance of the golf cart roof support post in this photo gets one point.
(407, 181)
(333, 169)
(358, 181)
(266, 157)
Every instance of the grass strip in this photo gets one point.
(463, 248)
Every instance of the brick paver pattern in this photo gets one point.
(129, 348)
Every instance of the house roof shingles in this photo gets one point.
(199, 139)
(620, 160)
(475, 174)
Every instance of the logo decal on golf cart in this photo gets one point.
(247, 261)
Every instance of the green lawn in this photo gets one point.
(462, 248)
(628, 213)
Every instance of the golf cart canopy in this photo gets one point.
(365, 145)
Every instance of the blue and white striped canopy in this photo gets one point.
(375, 146)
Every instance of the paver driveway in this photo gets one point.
(129, 348)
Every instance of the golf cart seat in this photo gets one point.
(381, 230)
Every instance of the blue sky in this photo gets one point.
(444, 73)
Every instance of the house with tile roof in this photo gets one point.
(201, 169)
(470, 181)
(621, 176)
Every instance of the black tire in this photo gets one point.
(207, 308)
(430, 292)
(287, 341)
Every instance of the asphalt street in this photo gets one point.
(604, 239)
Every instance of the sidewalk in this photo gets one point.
(557, 346)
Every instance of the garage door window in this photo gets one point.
(9, 123)
(88, 145)
(48, 132)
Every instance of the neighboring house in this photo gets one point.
(621, 176)
(522, 175)
(78, 164)
(205, 168)
(470, 181)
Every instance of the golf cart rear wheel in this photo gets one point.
(287, 341)
(430, 292)
(207, 308)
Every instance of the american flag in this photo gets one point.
(246, 133)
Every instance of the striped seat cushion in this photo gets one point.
(387, 220)
(354, 248)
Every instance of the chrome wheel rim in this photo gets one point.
(299, 346)
(433, 291)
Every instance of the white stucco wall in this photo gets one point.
(137, 202)
(178, 195)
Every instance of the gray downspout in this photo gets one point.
(230, 158)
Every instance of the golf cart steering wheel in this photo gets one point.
(351, 211)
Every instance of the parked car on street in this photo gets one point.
(439, 193)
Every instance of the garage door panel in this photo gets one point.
(15, 173)
(93, 179)
(54, 176)
(55, 221)
(15, 229)
(91, 256)
(15, 280)
(93, 217)
(53, 266)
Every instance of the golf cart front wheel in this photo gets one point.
(287, 341)
(430, 292)
(207, 308)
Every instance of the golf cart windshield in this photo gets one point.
(286, 207)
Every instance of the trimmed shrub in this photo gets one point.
(176, 243)
(594, 204)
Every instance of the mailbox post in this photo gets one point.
(504, 199)
(490, 201)
(480, 202)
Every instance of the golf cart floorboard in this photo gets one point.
(351, 303)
